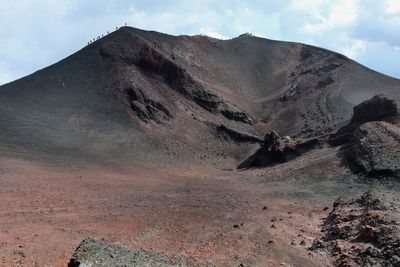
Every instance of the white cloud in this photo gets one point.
(355, 49)
(212, 32)
(375, 25)
(341, 13)
(311, 7)
(392, 7)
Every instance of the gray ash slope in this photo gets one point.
(145, 95)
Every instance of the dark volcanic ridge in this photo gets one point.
(135, 95)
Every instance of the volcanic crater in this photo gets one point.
(146, 149)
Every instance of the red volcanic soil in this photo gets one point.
(257, 218)
(227, 217)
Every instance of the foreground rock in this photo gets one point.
(362, 232)
(378, 108)
(276, 150)
(376, 149)
(93, 253)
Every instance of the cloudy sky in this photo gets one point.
(36, 33)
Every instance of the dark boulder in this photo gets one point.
(276, 149)
(378, 108)
(375, 149)
(271, 139)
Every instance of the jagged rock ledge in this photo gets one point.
(378, 108)
(275, 150)
(370, 143)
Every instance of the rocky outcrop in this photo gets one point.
(362, 232)
(375, 149)
(154, 63)
(225, 132)
(311, 73)
(181, 81)
(93, 253)
(378, 108)
(276, 150)
(146, 107)
(370, 143)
